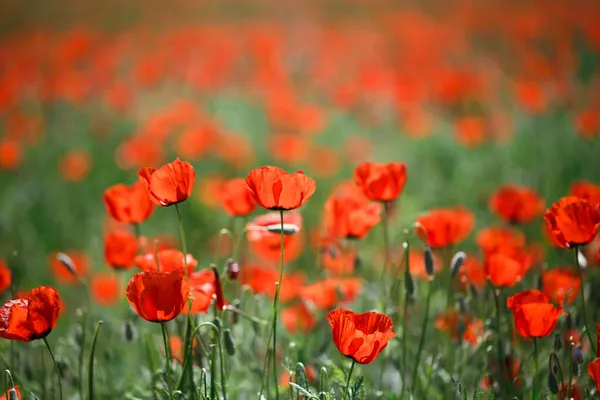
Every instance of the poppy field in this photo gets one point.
(300, 200)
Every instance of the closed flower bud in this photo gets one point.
(78, 335)
(12, 394)
(409, 284)
(428, 257)
(577, 355)
(129, 332)
(67, 262)
(217, 323)
(557, 342)
(229, 343)
(554, 364)
(457, 262)
(552, 384)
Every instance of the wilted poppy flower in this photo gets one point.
(561, 284)
(105, 289)
(573, 221)
(128, 204)
(30, 317)
(587, 191)
(446, 226)
(5, 277)
(506, 269)
(360, 337)
(170, 184)
(516, 204)
(264, 236)
(80, 263)
(381, 182)
(275, 189)
(120, 249)
(262, 281)
(158, 296)
(168, 260)
(75, 166)
(298, 318)
(533, 313)
(348, 214)
(236, 199)
(500, 240)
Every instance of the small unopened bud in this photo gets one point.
(232, 269)
(553, 363)
(229, 343)
(129, 332)
(576, 370)
(78, 335)
(428, 257)
(12, 394)
(288, 229)
(552, 384)
(457, 262)
(409, 285)
(217, 323)
(557, 342)
(67, 262)
(577, 355)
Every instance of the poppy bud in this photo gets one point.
(557, 342)
(577, 355)
(288, 229)
(428, 256)
(232, 269)
(78, 335)
(457, 262)
(229, 343)
(552, 384)
(129, 332)
(12, 394)
(409, 284)
(67, 262)
(217, 323)
(554, 364)
(323, 381)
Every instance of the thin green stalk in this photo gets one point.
(167, 358)
(445, 252)
(386, 240)
(570, 375)
(222, 363)
(404, 317)
(499, 354)
(8, 382)
(137, 229)
(81, 351)
(60, 388)
(347, 388)
(91, 363)
(536, 373)
(584, 314)
(213, 367)
(188, 350)
(422, 338)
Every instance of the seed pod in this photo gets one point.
(67, 262)
(577, 355)
(229, 343)
(428, 257)
(552, 384)
(457, 262)
(557, 342)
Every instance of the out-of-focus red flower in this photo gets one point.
(236, 199)
(533, 313)
(30, 317)
(349, 214)
(381, 182)
(416, 260)
(235, 150)
(204, 287)
(170, 184)
(454, 323)
(267, 244)
(500, 240)
(120, 249)
(324, 162)
(446, 226)
(158, 296)
(326, 293)
(61, 272)
(10, 154)
(275, 189)
(357, 148)
(470, 131)
(157, 243)
(298, 318)
(338, 261)
(128, 204)
(510, 372)
(573, 221)
(506, 269)
(196, 141)
(360, 337)
(564, 389)
(516, 204)
(587, 191)
(289, 148)
(75, 165)
(530, 96)
(472, 272)
(561, 285)
(587, 123)
(594, 371)
(5, 277)
(168, 260)
(209, 189)
(105, 289)
(262, 281)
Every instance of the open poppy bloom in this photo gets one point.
(360, 337)
(170, 184)
(327, 293)
(381, 182)
(158, 296)
(499, 240)
(506, 269)
(561, 284)
(262, 281)
(572, 221)
(236, 199)
(275, 189)
(298, 318)
(587, 191)
(30, 317)
(5, 277)
(516, 204)
(445, 226)
(533, 313)
(350, 215)
(128, 204)
(120, 249)
(168, 260)
(453, 323)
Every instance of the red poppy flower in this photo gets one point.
(267, 244)
(170, 184)
(500, 240)
(472, 329)
(533, 313)
(360, 337)
(275, 189)
(204, 287)
(262, 281)
(381, 182)
(446, 226)
(348, 214)
(158, 296)
(587, 191)
(327, 293)
(236, 199)
(105, 289)
(594, 370)
(564, 389)
(298, 318)
(338, 261)
(30, 317)
(573, 221)
(120, 249)
(168, 260)
(75, 166)
(472, 272)
(5, 277)
(516, 204)
(128, 204)
(62, 273)
(10, 154)
(506, 269)
(561, 284)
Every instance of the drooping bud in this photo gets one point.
(577, 355)
(229, 343)
(12, 394)
(457, 262)
(552, 384)
(67, 262)
(232, 269)
(217, 323)
(429, 263)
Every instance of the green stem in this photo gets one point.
(404, 317)
(188, 350)
(499, 354)
(422, 338)
(167, 358)
(56, 367)
(584, 314)
(222, 363)
(386, 240)
(570, 376)
(535, 376)
(8, 382)
(444, 254)
(347, 388)
(91, 363)
(81, 351)
(137, 229)
(213, 367)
